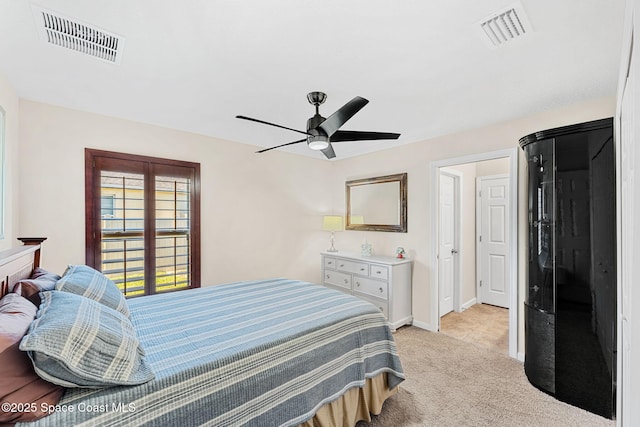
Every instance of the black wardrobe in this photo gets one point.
(570, 301)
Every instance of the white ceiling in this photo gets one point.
(423, 64)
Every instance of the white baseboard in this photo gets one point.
(521, 357)
(469, 303)
(424, 325)
(406, 321)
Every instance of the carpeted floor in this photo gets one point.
(481, 324)
(455, 383)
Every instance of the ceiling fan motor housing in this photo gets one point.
(317, 139)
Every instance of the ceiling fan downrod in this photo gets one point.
(316, 98)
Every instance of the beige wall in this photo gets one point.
(10, 104)
(493, 167)
(261, 214)
(415, 160)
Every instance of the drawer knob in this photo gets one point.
(378, 272)
(330, 262)
(346, 281)
(328, 276)
(358, 283)
(362, 269)
(381, 290)
(341, 265)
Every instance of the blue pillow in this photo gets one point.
(90, 283)
(78, 342)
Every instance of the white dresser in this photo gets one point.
(384, 281)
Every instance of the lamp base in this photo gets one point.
(332, 248)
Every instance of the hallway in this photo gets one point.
(481, 324)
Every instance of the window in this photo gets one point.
(143, 221)
(107, 203)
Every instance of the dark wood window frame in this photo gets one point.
(152, 166)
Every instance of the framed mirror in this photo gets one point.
(377, 204)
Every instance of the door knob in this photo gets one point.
(453, 251)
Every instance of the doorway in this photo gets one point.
(493, 281)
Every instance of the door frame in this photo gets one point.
(479, 180)
(456, 235)
(512, 155)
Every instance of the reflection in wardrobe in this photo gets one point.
(570, 305)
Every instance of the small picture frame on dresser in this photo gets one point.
(366, 249)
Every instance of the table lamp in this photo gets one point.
(332, 223)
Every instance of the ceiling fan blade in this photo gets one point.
(354, 135)
(270, 124)
(282, 145)
(340, 117)
(328, 152)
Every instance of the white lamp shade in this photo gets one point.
(332, 223)
(356, 219)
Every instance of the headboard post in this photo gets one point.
(19, 262)
(27, 241)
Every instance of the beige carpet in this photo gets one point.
(482, 324)
(455, 383)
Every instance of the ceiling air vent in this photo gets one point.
(72, 34)
(505, 26)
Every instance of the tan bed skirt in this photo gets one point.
(355, 405)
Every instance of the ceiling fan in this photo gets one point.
(322, 132)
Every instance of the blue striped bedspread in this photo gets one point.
(261, 353)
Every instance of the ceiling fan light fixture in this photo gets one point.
(318, 142)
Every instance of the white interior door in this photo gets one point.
(447, 243)
(493, 241)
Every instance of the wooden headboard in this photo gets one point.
(18, 263)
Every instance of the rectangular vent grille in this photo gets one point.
(65, 32)
(504, 27)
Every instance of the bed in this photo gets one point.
(273, 352)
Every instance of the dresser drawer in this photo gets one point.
(329, 262)
(370, 287)
(383, 281)
(337, 279)
(379, 272)
(383, 306)
(353, 267)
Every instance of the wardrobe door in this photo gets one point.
(585, 270)
(540, 301)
